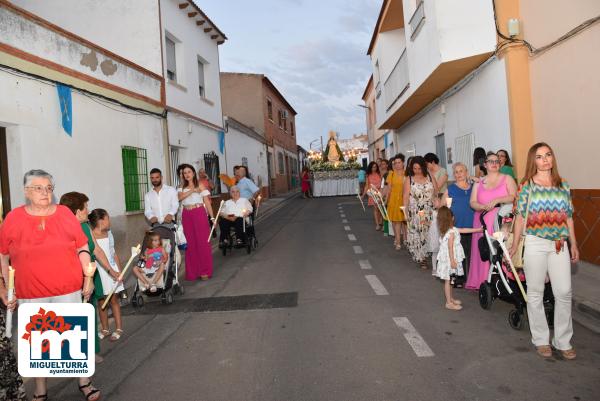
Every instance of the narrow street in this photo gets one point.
(348, 318)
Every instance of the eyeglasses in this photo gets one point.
(493, 161)
(40, 189)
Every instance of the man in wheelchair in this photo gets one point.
(234, 211)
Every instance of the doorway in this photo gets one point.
(440, 149)
(4, 185)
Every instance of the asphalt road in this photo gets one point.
(329, 335)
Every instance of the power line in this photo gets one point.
(97, 98)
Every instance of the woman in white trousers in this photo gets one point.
(544, 205)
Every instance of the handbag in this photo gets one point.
(517, 258)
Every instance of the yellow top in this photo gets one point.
(396, 186)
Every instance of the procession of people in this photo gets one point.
(66, 237)
(443, 220)
(439, 221)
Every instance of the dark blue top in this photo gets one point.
(463, 214)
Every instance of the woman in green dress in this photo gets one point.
(78, 204)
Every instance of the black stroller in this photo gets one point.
(234, 242)
(170, 284)
(502, 282)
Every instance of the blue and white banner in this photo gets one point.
(66, 107)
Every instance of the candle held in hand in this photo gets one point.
(449, 202)
(11, 278)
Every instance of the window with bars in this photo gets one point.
(135, 177)
(211, 165)
(174, 165)
(463, 151)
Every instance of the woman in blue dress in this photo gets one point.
(460, 193)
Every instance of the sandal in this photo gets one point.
(42, 397)
(103, 333)
(544, 351)
(569, 354)
(453, 306)
(93, 394)
(423, 265)
(457, 302)
(116, 335)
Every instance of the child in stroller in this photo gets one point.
(157, 268)
(504, 281)
(150, 274)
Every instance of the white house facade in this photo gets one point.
(103, 140)
(246, 147)
(190, 42)
(437, 84)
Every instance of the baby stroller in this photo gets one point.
(232, 240)
(502, 282)
(170, 285)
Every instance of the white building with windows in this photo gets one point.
(193, 92)
(115, 110)
(437, 85)
(246, 147)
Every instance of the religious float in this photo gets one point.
(332, 175)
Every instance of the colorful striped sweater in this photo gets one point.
(549, 210)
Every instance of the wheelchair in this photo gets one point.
(232, 240)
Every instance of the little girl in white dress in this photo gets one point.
(450, 255)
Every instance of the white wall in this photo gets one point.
(240, 145)
(193, 145)
(128, 28)
(464, 28)
(194, 42)
(23, 34)
(387, 50)
(480, 108)
(90, 160)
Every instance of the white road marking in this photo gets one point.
(352, 237)
(343, 216)
(347, 228)
(344, 221)
(376, 285)
(413, 337)
(365, 264)
(357, 249)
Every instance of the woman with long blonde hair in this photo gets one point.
(545, 207)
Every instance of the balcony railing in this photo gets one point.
(417, 19)
(397, 83)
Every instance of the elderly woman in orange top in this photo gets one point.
(48, 250)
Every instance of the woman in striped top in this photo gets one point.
(544, 201)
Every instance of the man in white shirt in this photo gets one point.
(161, 203)
(234, 211)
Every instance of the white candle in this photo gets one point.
(449, 202)
(9, 313)
(11, 279)
(88, 272)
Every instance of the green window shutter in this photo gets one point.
(135, 177)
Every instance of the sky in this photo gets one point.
(314, 51)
